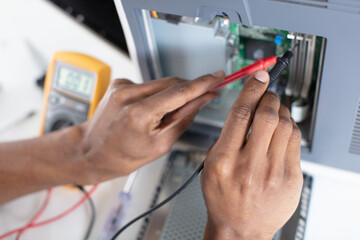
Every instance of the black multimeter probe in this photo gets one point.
(279, 67)
(281, 63)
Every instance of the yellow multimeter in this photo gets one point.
(74, 85)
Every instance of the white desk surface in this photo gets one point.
(30, 32)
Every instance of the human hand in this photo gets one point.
(252, 184)
(135, 124)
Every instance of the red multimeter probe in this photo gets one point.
(261, 64)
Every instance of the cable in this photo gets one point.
(53, 219)
(93, 213)
(177, 192)
(82, 200)
(43, 207)
(38, 214)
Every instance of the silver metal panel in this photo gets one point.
(352, 6)
(184, 49)
(185, 216)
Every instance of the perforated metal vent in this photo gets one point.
(352, 6)
(187, 217)
(355, 138)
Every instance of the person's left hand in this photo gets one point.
(252, 181)
(135, 124)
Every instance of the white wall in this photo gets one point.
(31, 31)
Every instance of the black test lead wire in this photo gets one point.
(93, 213)
(168, 199)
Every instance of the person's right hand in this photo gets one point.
(252, 182)
(135, 124)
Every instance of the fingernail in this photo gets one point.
(262, 76)
(218, 74)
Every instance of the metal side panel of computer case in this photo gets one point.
(336, 133)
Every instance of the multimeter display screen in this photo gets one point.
(75, 81)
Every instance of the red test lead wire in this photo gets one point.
(261, 64)
(38, 214)
(53, 219)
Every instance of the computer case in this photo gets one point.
(191, 37)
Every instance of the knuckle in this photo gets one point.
(295, 180)
(253, 89)
(182, 88)
(218, 164)
(173, 80)
(241, 114)
(268, 115)
(121, 81)
(119, 94)
(285, 124)
(285, 110)
(134, 112)
(222, 171)
(296, 134)
(274, 97)
(206, 77)
(176, 80)
(274, 183)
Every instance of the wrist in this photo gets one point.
(70, 158)
(79, 168)
(89, 158)
(65, 160)
(215, 231)
(35, 164)
(99, 158)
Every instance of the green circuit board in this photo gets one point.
(252, 43)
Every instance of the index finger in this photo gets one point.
(178, 95)
(239, 119)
